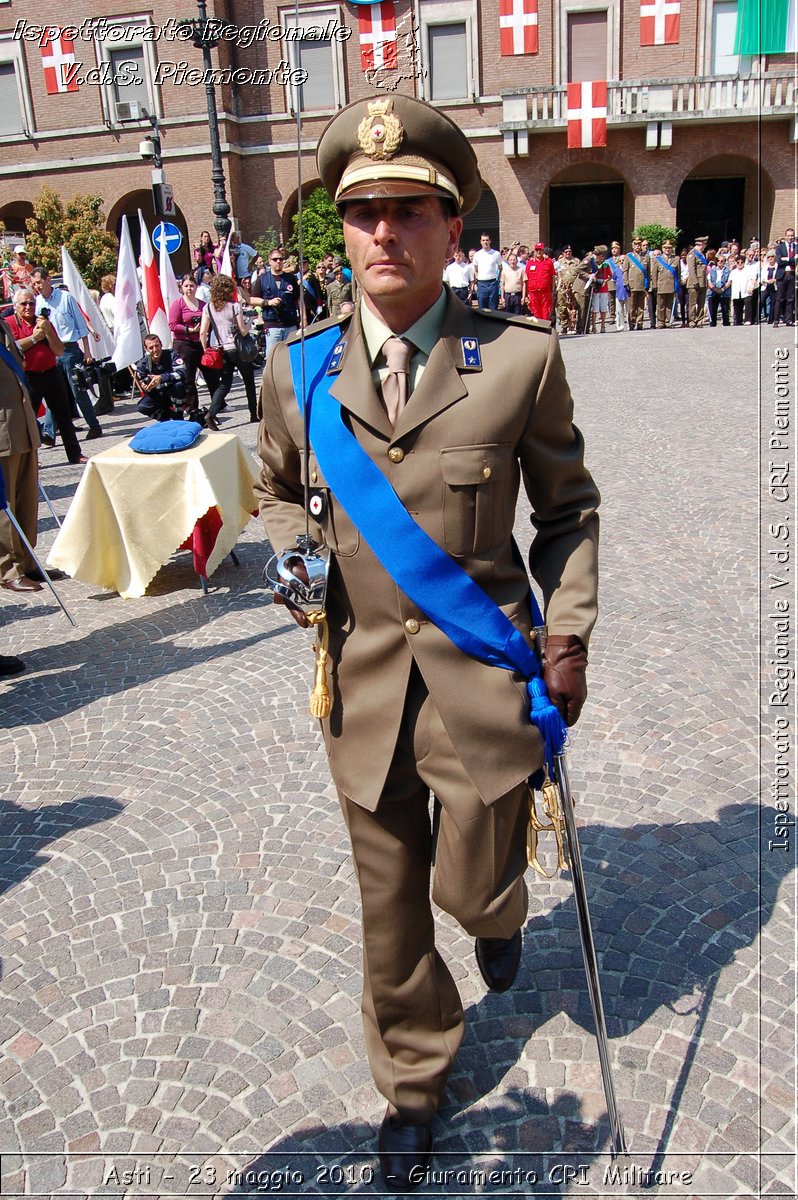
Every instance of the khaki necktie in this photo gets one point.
(394, 387)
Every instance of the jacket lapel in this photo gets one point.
(354, 388)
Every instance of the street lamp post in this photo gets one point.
(205, 39)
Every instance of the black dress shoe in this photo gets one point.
(38, 575)
(498, 959)
(405, 1153)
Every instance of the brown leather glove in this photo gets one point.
(564, 668)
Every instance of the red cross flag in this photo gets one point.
(587, 114)
(154, 307)
(518, 26)
(58, 60)
(377, 23)
(659, 22)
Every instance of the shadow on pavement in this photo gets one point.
(25, 832)
(498, 1154)
(105, 662)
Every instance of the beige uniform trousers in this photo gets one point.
(412, 1014)
(637, 309)
(697, 301)
(21, 475)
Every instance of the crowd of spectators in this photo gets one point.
(645, 286)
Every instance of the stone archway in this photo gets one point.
(14, 215)
(482, 219)
(729, 196)
(584, 205)
(129, 205)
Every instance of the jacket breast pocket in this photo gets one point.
(475, 482)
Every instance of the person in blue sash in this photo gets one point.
(697, 267)
(440, 411)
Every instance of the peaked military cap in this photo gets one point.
(397, 146)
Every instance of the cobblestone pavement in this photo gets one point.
(179, 997)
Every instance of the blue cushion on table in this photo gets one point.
(165, 437)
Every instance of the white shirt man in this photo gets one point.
(460, 276)
(488, 265)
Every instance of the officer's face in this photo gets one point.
(398, 248)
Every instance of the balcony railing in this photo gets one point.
(635, 101)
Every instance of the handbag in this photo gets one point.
(212, 358)
(246, 346)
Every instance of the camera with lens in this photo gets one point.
(86, 374)
(44, 312)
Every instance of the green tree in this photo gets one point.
(322, 231)
(78, 224)
(657, 233)
(267, 241)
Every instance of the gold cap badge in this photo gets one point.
(380, 133)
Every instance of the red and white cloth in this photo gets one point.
(377, 26)
(518, 26)
(154, 307)
(587, 114)
(58, 60)
(659, 22)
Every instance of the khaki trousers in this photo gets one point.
(412, 1014)
(21, 476)
(697, 297)
(637, 309)
(664, 308)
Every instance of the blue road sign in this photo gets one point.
(173, 236)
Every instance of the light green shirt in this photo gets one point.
(423, 334)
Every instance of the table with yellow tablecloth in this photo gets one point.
(132, 511)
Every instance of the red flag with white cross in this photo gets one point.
(58, 60)
(587, 114)
(659, 22)
(377, 25)
(518, 26)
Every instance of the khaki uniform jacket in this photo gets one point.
(568, 278)
(455, 458)
(633, 277)
(661, 278)
(19, 432)
(696, 271)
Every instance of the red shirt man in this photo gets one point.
(540, 283)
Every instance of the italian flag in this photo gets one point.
(766, 27)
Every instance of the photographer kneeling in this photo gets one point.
(161, 377)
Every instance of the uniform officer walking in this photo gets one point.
(452, 407)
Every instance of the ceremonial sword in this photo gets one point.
(558, 805)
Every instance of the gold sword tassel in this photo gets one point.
(320, 699)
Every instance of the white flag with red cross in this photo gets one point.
(154, 307)
(587, 114)
(377, 25)
(659, 22)
(58, 60)
(518, 26)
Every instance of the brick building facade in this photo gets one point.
(695, 135)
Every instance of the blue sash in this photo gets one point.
(432, 580)
(700, 257)
(676, 275)
(640, 267)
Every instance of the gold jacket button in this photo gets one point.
(396, 454)
(412, 625)
(486, 472)
(313, 477)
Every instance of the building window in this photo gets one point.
(16, 112)
(724, 27)
(587, 46)
(322, 58)
(449, 49)
(128, 66)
